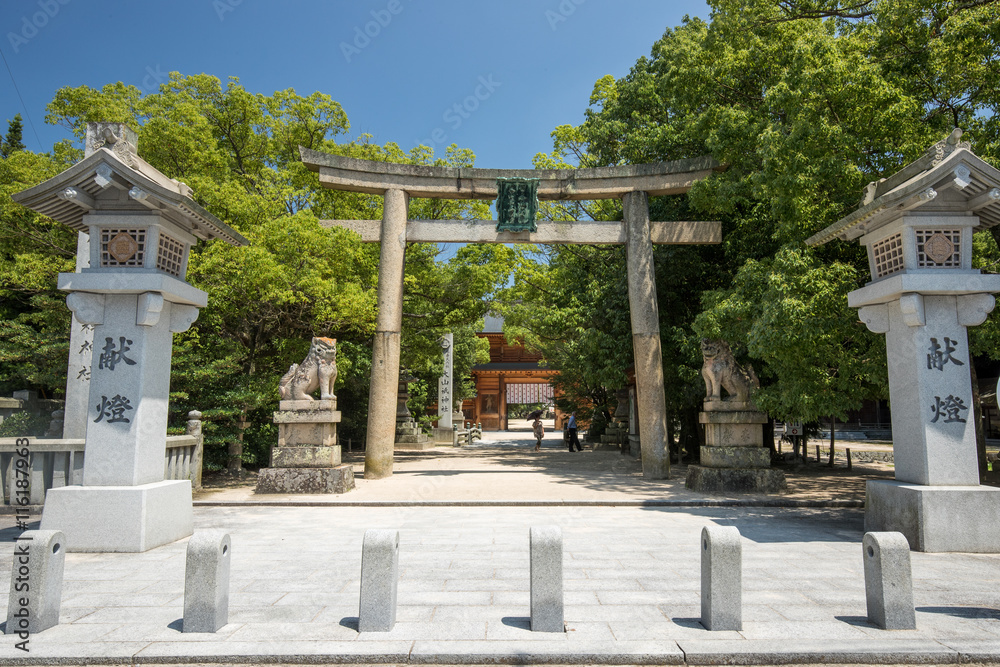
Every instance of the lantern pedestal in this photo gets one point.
(120, 519)
(935, 518)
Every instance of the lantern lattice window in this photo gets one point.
(170, 257)
(888, 255)
(939, 248)
(123, 247)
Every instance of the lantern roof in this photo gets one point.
(947, 178)
(115, 179)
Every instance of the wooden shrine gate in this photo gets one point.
(633, 184)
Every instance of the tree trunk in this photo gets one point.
(833, 438)
(977, 417)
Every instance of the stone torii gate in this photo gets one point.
(633, 184)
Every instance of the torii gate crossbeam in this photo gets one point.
(631, 183)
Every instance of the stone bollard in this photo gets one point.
(36, 580)
(546, 579)
(206, 581)
(379, 579)
(721, 578)
(888, 581)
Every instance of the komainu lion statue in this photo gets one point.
(317, 371)
(721, 371)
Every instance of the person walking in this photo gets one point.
(539, 432)
(571, 430)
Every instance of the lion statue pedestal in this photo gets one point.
(307, 458)
(733, 458)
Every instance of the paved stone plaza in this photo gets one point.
(631, 577)
(504, 468)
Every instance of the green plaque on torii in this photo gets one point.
(517, 204)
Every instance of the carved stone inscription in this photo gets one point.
(517, 204)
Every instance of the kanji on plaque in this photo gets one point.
(950, 408)
(86, 347)
(113, 410)
(110, 357)
(938, 356)
(84, 373)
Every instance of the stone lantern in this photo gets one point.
(409, 435)
(917, 226)
(132, 298)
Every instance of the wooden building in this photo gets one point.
(511, 376)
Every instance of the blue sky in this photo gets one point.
(516, 68)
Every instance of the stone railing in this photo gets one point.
(54, 463)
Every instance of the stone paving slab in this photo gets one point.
(632, 592)
(810, 651)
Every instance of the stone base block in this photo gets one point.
(731, 411)
(306, 480)
(445, 436)
(417, 439)
(736, 457)
(329, 404)
(735, 480)
(120, 519)
(306, 416)
(415, 446)
(936, 518)
(305, 457)
(321, 434)
(734, 435)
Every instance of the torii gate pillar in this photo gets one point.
(646, 337)
(385, 350)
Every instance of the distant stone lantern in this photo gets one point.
(917, 226)
(131, 297)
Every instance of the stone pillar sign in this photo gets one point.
(132, 297)
(924, 293)
(444, 433)
(445, 401)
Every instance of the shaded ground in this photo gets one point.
(505, 467)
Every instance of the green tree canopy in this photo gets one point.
(297, 279)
